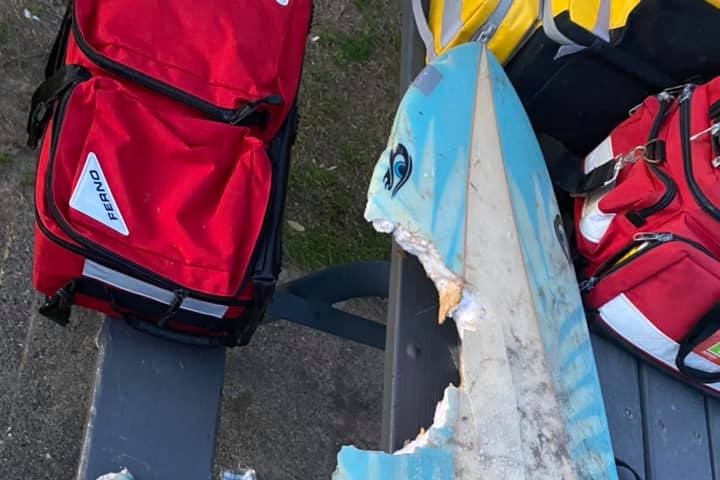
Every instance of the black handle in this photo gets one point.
(173, 335)
(708, 324)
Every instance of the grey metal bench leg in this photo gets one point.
(154, 408)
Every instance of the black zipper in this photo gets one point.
(244, 115)
(95, 252)
(639, 217)
(700, 198)
(654, 154)
(654, 240)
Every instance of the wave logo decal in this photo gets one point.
(399, 170)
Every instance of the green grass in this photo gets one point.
(27, 179)
(347, 101)
(4, 159)
(355, 48)
(36, 9)
(332, 234)
(4, 33)
(319, 246)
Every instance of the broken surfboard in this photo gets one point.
(463, 186)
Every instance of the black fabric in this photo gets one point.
(714, 110)
(579, 98)
(633, 66)
(57, 53)
(59, 306)
(566, 172)
(46, 94)
(708, 324)
(267, 258)
(679, 37)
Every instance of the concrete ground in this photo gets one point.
(293, 396)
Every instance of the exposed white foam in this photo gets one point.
(468, 312)
(123, 474)
(440, 432)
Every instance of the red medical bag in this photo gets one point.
(165, 130)
(648, 228)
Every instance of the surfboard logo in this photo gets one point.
(399, 170)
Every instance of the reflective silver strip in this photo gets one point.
(451, 21)
(551, 30)
(133, 285)
(423, 28)
(600, 29)
(488, 29)
(602, 24)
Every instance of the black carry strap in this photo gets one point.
(57, 54)
(647, 74)
(565, 169)
(708, 324)
(644, 72)
(49, 91)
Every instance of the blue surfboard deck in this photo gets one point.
(464, 184)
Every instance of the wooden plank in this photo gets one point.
(676, 433)
(712, 411)
(618, 371)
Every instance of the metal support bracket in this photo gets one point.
(309, 301)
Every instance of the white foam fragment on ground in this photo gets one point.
(123, 474)
(248, 474)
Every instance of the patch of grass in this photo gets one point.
(35, 9)
(312, 177)
(347, 101)
(355, 48)
(4, 33)
(319, 246)
(4, 158)
(27, 179)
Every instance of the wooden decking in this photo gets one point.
(662, 428)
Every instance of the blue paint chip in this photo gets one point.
(425, 463)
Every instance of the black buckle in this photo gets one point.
(59, 306)
(174, 307)
(36, 123)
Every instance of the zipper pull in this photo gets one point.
(686, 92)
(249, 108)
(653, 237)
(588, 284)
(713, 130)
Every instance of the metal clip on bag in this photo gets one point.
(165, 139)
(648, 226)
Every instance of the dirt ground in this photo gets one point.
(293, 396)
